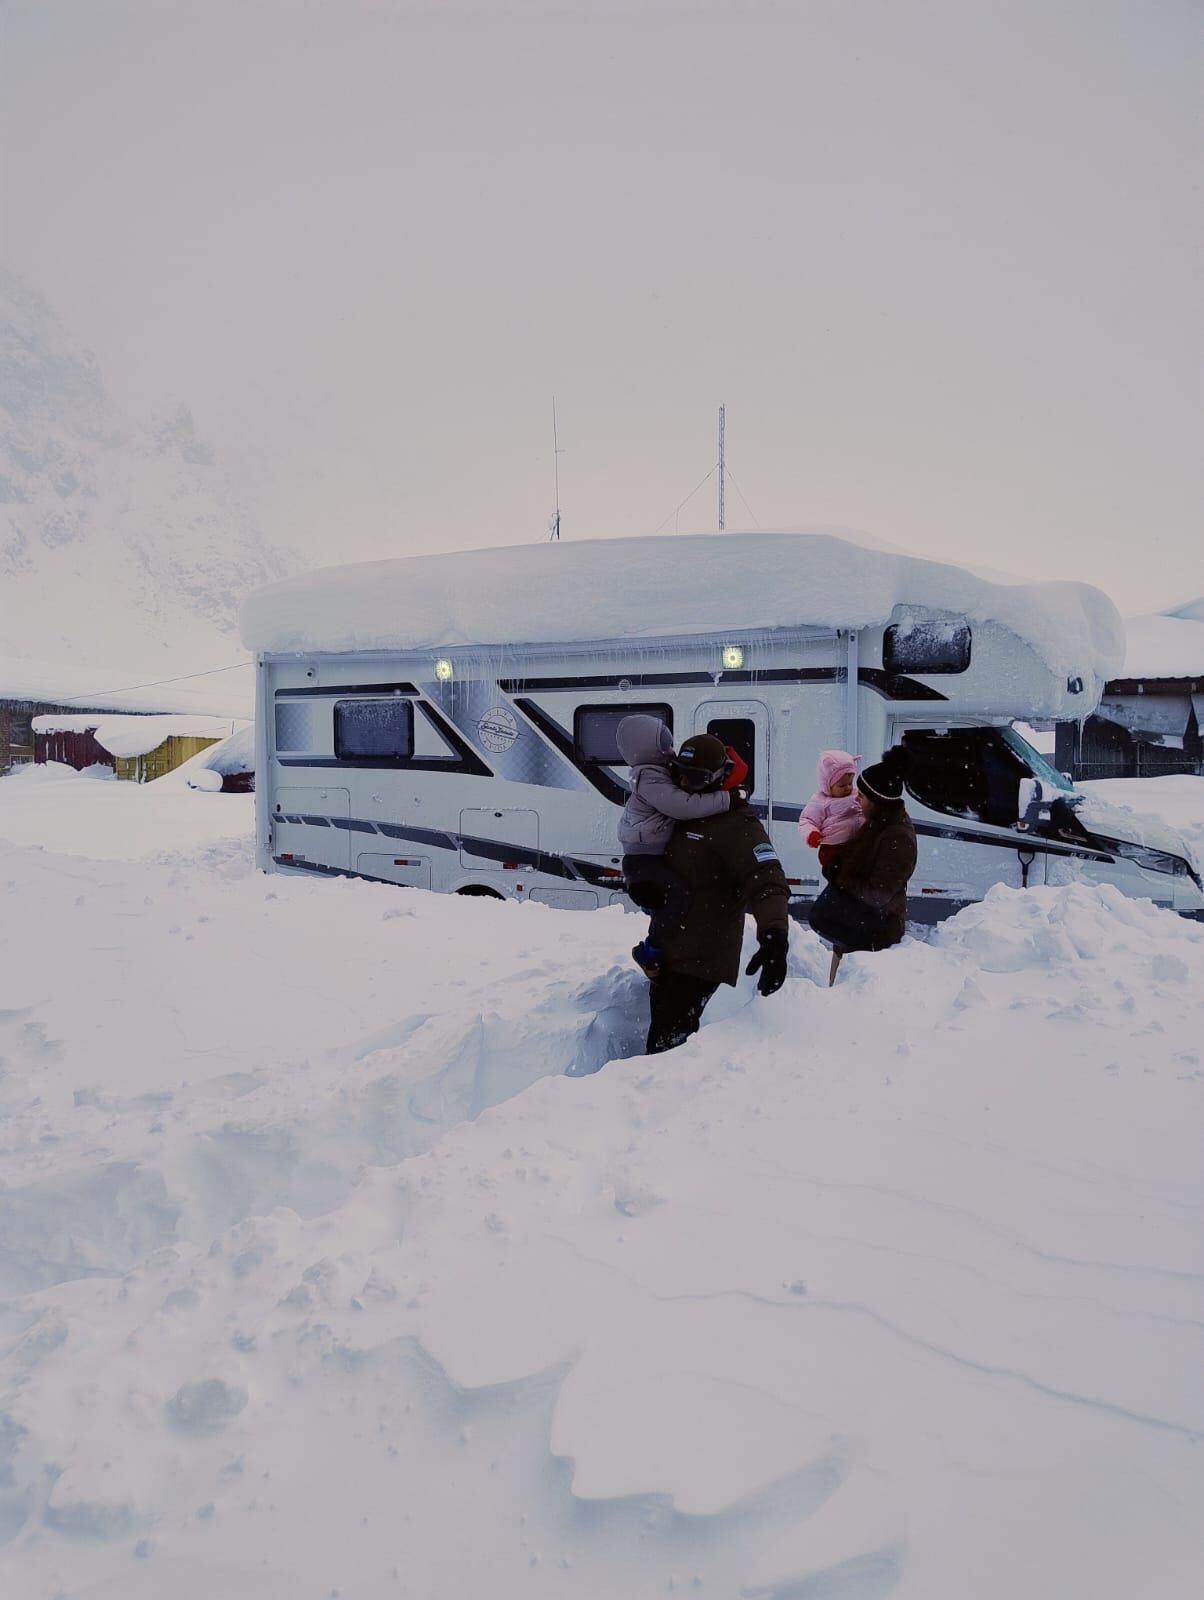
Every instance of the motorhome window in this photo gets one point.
(740, 735)
(965, 772)
(1035, 761)
(596, 728)
(375, 729)
(926, 647)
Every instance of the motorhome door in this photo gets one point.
(744, 725)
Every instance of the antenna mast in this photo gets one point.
(722, 467)
(554, 525)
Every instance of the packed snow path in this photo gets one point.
(318, 1275)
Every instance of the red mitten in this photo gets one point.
(813, 839)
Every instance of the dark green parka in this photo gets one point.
(731, 868)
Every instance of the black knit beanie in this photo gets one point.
(883, 782)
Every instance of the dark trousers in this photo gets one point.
(676, 1003)
(661, 892)
(849, 924)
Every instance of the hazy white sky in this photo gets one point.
(941, 258)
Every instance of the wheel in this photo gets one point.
(481, 889)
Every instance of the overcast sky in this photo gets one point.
(940, 258)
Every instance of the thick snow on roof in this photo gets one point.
(97, 688)
(661, 587)
(138, 736)
(1166, 644)
(81, 722)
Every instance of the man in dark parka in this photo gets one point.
(730, 867)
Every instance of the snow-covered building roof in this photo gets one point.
(632, 589)
(1166, 644)
(137, 735)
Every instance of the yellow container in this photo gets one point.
(166, 757)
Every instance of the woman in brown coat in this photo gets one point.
(864, 906)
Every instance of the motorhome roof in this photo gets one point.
(616, 590)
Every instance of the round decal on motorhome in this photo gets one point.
(497, 729)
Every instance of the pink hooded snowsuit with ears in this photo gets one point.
(836, 818)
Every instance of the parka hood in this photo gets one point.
(644, 741)
(832, 766)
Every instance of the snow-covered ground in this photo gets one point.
(329, 1265)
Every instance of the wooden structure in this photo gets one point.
(72, 747)
(1151, 717)
(1105, 746)
(18, 743)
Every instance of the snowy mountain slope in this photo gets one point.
(320, 1277)
(117, 542)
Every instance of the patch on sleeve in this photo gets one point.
(764, 852)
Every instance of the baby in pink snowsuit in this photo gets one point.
(833, 814)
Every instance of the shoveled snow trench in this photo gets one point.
(331, 1264)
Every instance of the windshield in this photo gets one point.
(1036, 762)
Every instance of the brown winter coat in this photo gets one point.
(730, 867)
(876, 864)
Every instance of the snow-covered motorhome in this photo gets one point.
(448, 722)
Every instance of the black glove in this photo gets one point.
(769, 960)
(739, 797)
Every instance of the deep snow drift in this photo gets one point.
(319, 1276)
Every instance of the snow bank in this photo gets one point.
(648, 588)
(322, 1276)
(55, 808)
(235, 754)
(1167, 644)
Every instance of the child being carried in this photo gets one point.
(654, 806)
(833, 814)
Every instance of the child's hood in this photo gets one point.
(644, 741)
(831, 767)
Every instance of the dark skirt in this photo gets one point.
(849, 924)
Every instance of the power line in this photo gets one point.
(156, 683)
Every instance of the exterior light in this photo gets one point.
(443, 669)
(733, 657)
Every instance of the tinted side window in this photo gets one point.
(968, 772)
(740, 735)
(378, 729)
(926, 647)
(595, 730)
